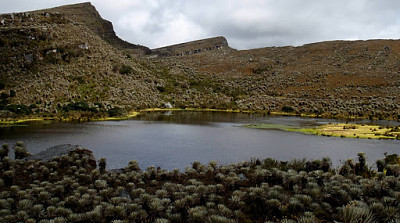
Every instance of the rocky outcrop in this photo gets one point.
(193, 47)
(58, 150)
(87, 14)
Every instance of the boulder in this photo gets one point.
(50, 153)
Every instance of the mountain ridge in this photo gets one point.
(87, 14)
(52, 59)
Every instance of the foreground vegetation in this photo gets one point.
(71, 188)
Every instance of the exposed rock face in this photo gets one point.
(58, 150)
(215, 43)
(87, 14)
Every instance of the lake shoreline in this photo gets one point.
(83, 117)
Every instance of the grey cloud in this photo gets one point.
(246, 24)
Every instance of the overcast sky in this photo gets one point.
(245, 24)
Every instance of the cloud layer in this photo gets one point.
(246, 24)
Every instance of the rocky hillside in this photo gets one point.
(339, 78)
(193, 47)
(86, 14)
(68, 60)
(50, 63)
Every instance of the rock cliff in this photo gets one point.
(87, 14)
(193, 47)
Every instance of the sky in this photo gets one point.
(245, 24)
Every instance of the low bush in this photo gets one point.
(78, 106)
(19, 109)
(116, 111)
(288, 109)
(126, 69)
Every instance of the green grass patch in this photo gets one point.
(282, 127)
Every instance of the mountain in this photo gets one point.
(67, 61)
(86, 14)
(49, 60)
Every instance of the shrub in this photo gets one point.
(351, 213)
(102, 165)
(116, 111)
(19, 109)
(126, 69)
(78, 106)
(2, 84)
(287, 109)
(12, 93)
(4, 95)
(4, 151)
(20, 152)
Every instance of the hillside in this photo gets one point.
(52, 64)
(339, 78)
(67, 61)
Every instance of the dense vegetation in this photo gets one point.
(71, 188)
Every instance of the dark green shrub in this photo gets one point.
(262, 68)
(287, 109)
(392, 159)
(2, 84)
(380, 164)
(361, 167)
(4, 151)
(116, 111)
(4, 95)
(161, 89)
(20, 151)
(8, 177)
(126, 69)
(78, 106)
(102, 165)
(12, 93)
(19, 109)
(32, 106)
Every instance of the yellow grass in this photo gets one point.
(340, 130)
(357, 131)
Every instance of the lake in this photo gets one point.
(176, 139)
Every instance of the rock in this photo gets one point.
(84, 46)
(50, 153)
(125, 194)
(29, 57)
(193, 47)
(168, 105)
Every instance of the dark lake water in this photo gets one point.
(176, 139)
